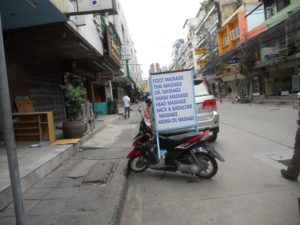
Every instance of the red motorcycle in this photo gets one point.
(188, 153)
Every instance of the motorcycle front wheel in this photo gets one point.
(138, 164)
(211, 166)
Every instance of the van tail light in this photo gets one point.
(209, 104)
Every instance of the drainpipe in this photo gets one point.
(9, 137)
(128, 71)
(127, 68)
(110, 90)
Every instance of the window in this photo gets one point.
(225, 41)
(270, 11)
(281, 4)
(235, 33)
(274, 6)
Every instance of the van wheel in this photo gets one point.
(214, 137)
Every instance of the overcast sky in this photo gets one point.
(154, 25)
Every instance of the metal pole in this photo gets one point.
(9, 137)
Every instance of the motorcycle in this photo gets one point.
(189, 153)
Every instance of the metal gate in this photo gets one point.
(46, 94)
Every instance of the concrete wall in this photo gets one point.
(256, 18)
(88, 30)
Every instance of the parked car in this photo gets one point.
(208, 115)
(207, 112)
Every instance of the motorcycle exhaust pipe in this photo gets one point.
(189, 169)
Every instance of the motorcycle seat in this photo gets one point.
(171, 142)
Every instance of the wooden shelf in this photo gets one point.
(26, 122)
(27, 135)
(36, 126)
(26, 128)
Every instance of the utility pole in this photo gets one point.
(211, 55)
(9, 137)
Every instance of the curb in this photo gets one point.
(38, 173)
(34, 176)
(119, 181)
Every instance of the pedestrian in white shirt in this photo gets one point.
(126, 103)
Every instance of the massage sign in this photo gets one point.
(173, 100)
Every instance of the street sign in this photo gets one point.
(199, 51)
(125, 53)
(173, 100)
(202, 61)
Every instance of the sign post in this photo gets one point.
(173, 101)
(9, 137)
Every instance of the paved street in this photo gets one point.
(248, 188)
(87, 189)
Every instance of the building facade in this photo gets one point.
(279, 48)
(49, 44)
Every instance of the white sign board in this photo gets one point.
(173, 100)
(96, 6)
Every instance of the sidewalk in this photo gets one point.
(289, 100)
(36, 163)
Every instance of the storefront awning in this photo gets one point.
(19, 14)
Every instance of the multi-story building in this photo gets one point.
(280, 48)
(177, 57)
(154, 68)
(234, 41)
(187, 52)
(200, 51)
(259, 50)
(59, 41)
(205, 44)
(131, 79)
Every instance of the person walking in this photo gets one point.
(293, 170)
(126, 104)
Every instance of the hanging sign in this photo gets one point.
(202, 61)
(200, 51)
(173, 100)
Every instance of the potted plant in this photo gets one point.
(74, 126)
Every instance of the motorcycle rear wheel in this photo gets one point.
(211, 169)
(138, 164)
